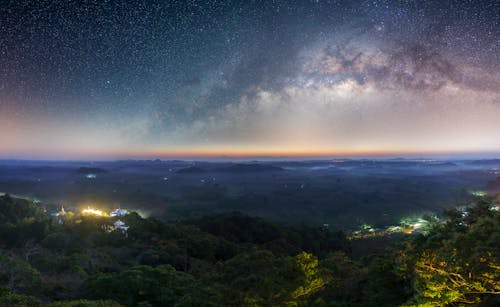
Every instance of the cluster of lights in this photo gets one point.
(91, 211)
(478, 193)
(407, 225)
(115, 213)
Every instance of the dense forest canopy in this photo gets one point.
(232, 259)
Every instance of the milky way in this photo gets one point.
(100, 79)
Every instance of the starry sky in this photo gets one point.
(129, 79)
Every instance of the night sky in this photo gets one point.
(123, 79)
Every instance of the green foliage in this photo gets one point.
(18, 275)
(259, 278)
(313, 278)
(382, 287)
(57, 240)
(15, 210)
(20, 221)
(281, 240)
(85, 303)
(159, 286)
(7, 298)
(459, 262)
(235, 260)
(347, 277)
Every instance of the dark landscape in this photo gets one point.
(343, 193)
(351, 232)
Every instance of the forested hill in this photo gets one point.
(235, 260)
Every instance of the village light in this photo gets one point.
(91, 211)
(478, 193)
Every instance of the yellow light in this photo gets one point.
(90, 211)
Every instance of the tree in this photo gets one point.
(19, 275)
(7, 298)
(85, 303)
(159, 286)
(459, 262)
(313, 278)
(259, 278)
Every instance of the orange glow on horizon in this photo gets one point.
(240, 153)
